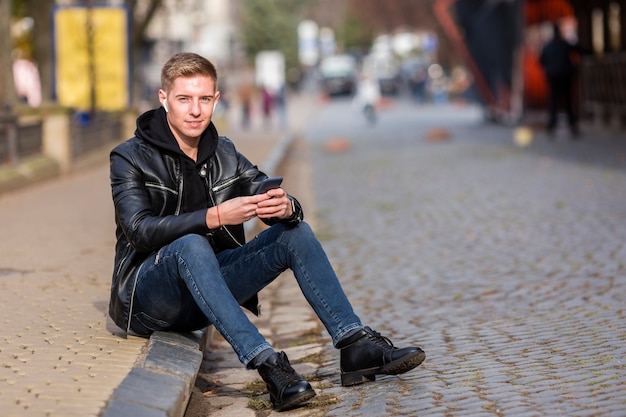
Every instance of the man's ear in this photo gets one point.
(216, 99)
(163, 99)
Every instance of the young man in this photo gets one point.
(181, 194)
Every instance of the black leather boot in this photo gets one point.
(287, 389)
(367, 353)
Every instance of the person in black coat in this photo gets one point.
(557, 61)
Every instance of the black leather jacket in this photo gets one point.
(147, 185)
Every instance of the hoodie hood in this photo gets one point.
(152, 127)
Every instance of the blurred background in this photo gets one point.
(85, 68)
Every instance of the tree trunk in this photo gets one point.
(40, 11)
(7, 89)
(140, 25)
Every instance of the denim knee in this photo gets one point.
(301, 232)
(301, 241)
(193, 245)
(193, 241)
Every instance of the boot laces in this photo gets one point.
(379, 339)
(283, 373)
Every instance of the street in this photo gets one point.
(505, 264)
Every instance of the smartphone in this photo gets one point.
(268, 184)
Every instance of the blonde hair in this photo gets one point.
(186, 64)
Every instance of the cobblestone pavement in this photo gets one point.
(507, 265)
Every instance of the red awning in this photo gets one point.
(538, 11)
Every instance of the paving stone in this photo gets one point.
(174, 359)
(117, 408)
(139, 387)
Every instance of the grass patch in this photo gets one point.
(256, 388)
(259, 404)
(322, 400)
(312, 358)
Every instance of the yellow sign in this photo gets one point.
(91, 57)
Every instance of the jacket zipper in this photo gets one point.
(123, 261)
(180, 188)
(225, 185)
(132, 301)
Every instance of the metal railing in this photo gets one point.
(22, 137)
(89, 132)
(18, 139)
(603, 86)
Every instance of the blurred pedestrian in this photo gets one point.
(557, 58)
(280, 102)
(245, 98)
(267, 102)
(417, 84)
(368, 97)
(26, 79)
(437, 84)
(181, 195)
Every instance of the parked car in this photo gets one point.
(338, 74)
(384, 68)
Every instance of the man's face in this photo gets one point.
(190, 104)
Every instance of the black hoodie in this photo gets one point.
(152, 127)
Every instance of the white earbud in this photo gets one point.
(164, 105)
(214, 105)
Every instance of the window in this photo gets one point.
(597, 31)
(615, 28)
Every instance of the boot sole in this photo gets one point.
(295, 400)
(396, 367)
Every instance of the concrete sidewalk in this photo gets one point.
(60, 354)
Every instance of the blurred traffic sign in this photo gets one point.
(91, 57)
(270, 70)
(308, 43)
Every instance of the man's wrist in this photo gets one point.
(213, 220)
(295, 214)
(293, 208)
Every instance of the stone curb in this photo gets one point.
(29, 171)
(162, 384)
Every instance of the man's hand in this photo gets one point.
(273, 203)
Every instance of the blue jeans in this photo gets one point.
(185, 286)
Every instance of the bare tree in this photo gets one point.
(141, 20)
